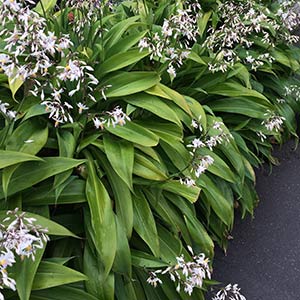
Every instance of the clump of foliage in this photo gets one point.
(136, 125)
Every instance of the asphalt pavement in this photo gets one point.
(264, 256)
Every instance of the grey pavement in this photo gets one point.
(264, 256)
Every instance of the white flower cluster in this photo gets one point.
(176, 36)
(84, 13)
(20, 237)
(33, 51)
(289, 11)
(112, 118)
(229, 292)
(10, 114)
(244, 23)
(273, 121)
(200, 163)
(30, 45)
(293, 91)
(186, 274)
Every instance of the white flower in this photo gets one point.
(71, 71)
(117, 116)
(81, 107)
(172, 72)
(196, 143)
(153, 279)
(273, 122)
(99, 123)
(187, 181)
(6, 259)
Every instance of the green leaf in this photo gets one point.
(50, 274)
(144, 223)
(102, 217)
(24, 273)
(244, 106)
(120, 60)
(73, 193)
(59, 293)
(52, 227)
(66, 145)
(234, 89)
(145, 168)
(202, 23)
(199, 235)
(121, 193)
(135, 133)
(120, 154)
(127, 83)
(29, 137)
(115, 33)
(122, 263)
(189, 193)
(144, 260)
(45, 6)
(8, 158)
(31, 173)
(216, 199)
(155, 105)
(165, 92)
(14, 84)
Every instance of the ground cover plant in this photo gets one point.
(129, 131)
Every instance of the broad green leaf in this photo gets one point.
(53, 228)
(165, 92)
(219, 167)
(202, 23)
(15, 82)
(281, 58)
(126, 43)
(144, 260)
(216, 199)
(73, 193)
(31, 173)
(24, 273)
(244, 106)
(144, 223)
(145, 168)
(59, 293)
(234, 89)
(121, 193)
(66, 145)
(115, 33)
(50, 274)
(127, 83)
(122, 263)
(102, 217)
(198, 111)
(97, 284)
(45, 6)
(199, 235)
(120, 154)
(124, 289)
(170, 245)
(155, 105)
(196, 58)
(120, 60)
(35, 110)
(135, 133)
(29, 137)
(8, 158)
(190, 193)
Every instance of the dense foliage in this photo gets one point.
(129, 131)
